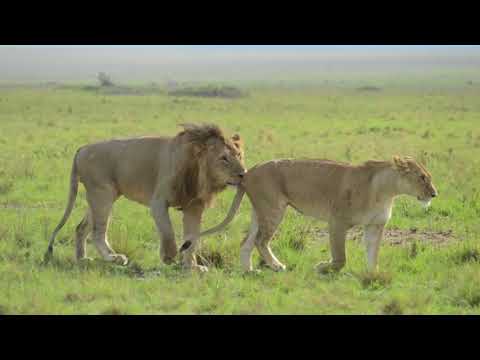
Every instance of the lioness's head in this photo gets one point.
(415, 180)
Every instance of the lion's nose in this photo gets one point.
(434, 194)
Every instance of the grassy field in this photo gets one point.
(429, 260)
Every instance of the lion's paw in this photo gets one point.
(328, 267)
(84, 260)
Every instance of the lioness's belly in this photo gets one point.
(318, 209)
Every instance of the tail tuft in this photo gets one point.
(48, 255)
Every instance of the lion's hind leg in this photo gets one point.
(101, 200)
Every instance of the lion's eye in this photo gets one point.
(224, 159)
(423, 178)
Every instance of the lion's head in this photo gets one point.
(415, 180)
(211, 162)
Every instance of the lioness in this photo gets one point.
(340, 193)
(183, 172)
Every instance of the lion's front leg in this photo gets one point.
(192, 217)
(168, 247)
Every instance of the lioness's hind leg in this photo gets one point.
(83, 229)
(268, 221)
(101, 201)
(248, 244)
(337, 236)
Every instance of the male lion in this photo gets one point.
(340, 193)
(183, 172)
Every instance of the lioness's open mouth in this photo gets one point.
(425, 202)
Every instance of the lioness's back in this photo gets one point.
(314, 187)
(290, 173)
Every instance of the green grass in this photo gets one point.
(42, 128)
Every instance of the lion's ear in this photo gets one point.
(198, 149)
(237, 141)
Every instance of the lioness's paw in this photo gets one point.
(278, 267)
(119, 259)
(196, 268)
(200, 268)
(252, 272)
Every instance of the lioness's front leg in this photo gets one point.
(372, 236)
(168, 247)
(192, 217)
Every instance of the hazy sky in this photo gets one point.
(218, 62)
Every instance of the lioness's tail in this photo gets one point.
(231, 214)
(71, 201)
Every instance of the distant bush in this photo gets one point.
(124, 90)
(369, 88)
(104, 79)
(209, 91)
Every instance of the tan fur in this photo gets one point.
(184, 172)
(341, 194)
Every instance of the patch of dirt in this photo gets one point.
(398, 236)
(74, 297)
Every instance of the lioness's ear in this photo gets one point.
(237, 141)
(396, 160)
(400, 164)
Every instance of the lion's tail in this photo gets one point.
(71, 201)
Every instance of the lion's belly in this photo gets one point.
(139, 189)
(138, 195)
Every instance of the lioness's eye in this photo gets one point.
(224, 158)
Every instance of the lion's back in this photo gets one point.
(131, 165)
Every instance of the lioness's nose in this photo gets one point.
(434, 194)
